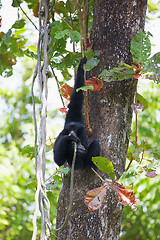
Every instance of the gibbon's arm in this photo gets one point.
(76, 102)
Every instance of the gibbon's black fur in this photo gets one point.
(74, 130)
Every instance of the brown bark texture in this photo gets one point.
(115, 23)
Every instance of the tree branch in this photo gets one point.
(27, 15)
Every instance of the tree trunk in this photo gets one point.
(115, 22)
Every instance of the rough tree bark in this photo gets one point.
(115, 23)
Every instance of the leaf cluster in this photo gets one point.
(11, 47)
(141, 52)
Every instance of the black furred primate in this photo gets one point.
(74, 131)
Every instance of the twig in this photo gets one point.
(81, 29)
(63, 20)
(89, 129)
(90, 11)
(142, 152)
(74, 46)
(27, 15)
(136, 137)
(50, 176)
(98, 175)
(129, 164)
(83, 32)
(59, 90)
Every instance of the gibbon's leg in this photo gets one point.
(60, 149)
(93, 151)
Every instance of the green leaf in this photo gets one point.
(152, 68)
(63, 170)
(93, 62)
(54, 185)
(105, 166)
(29, 151)
(89, 54)
(85, 88)
(57, 177)
(30, 54)
(15, 3)
(3, 48)
(75, 36)
(141, 47)
(56, 25)
(97, 53)
(71, 59)
(142, 101)
(125, 66)
(19, 24)
(58, 47)
(32, 184)
(7, 73)
(62, 34)
(117, 74)
(66, 75)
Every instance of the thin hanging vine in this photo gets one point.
(41, 200)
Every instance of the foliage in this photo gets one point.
(17, 171)
(66, 27)
(123, 72)
(17, 201)
(141, 51)
(144, 222)
(153, 7)
(11, 47)
(15, 115)
(94, 198)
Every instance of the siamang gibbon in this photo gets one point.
(74, 130)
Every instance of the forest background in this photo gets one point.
(17, 173)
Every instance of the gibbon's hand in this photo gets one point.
(73, 137)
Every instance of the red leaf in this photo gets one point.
(95, 82)
(137, 76)
(125, 196)
(141, 76)
(63, 110)
(66, 91)
(151, 174)
(95, 198)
